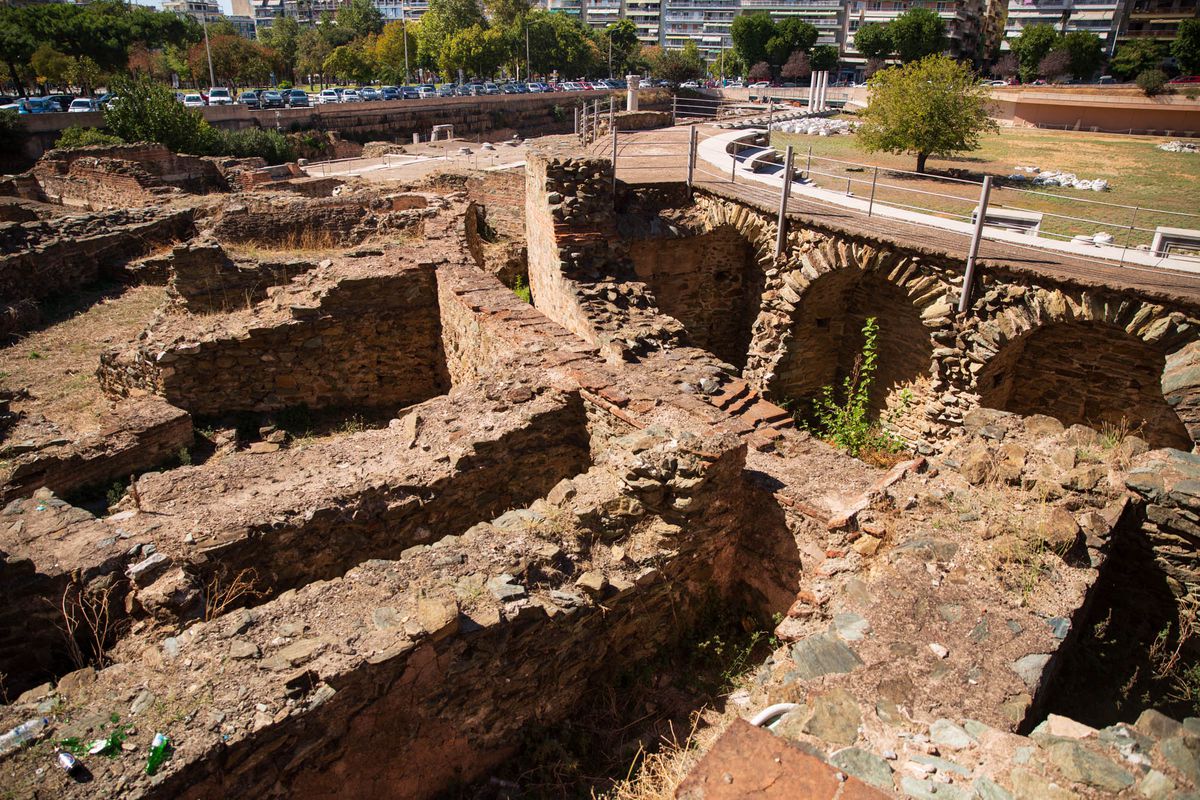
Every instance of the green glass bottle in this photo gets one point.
(158, 753)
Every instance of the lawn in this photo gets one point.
(1139, 175)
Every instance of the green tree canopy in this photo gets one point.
(560, 42)
(477, 51)
(51, 67)
(930, 107)
(677, 66)
(751, 33)
(388, 51)
(729, 64)
(917, 33)
(507, 13)
(791, 35)
(1135, 57)
(283, 36)
(873, 41)
(1031, 46)
(1085, 53)
(444, 19)
(145, 110)
(311, 52)
(1186, 47)
(622, 34)
(360, 17)
(823, 57)
(349, 62)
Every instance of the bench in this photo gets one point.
(1168, 240)
(1011, 219)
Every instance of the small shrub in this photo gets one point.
(76, 136)
(145, 110)
(521, 290)
(846, 423)
(1152, 82)
(272, 146)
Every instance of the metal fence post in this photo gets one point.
(964, 299)
(770, 118)
(674, 100)
(1129, 233)
(781, 234)
(614, 161)
(576, 120)
(691, 158)
(612, 126)
(871, 204)
(808, 166)
(733, 169)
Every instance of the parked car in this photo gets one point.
(351, 96)
(509, 88)
(63, 101)
(427, 91)
(410, 93)
(33, 105)
(81, 104)
(329, 96)
(369, 94)
(250, 98)
(1185, 79)
(389, 93)
(194, 100)
(475, 89)
(537, 88)
(220, 96)
(447, 90)
(271, 99)
(491, 88)
(296, 98)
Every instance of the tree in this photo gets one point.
(622, 36)
(507, 13)
(349, 62)
(873, 41)
(1055, 66)
(1186, 47)
(16, 42)
(236, 61)
(444, 19)
(476, 51)
(824, 57)
(389, 51)
(1152, 81)
(677, 66)
(791, 34)
(1007, 66)
(750, 33)
(51, 67)
(145, 110)
(559, 42)
(760, 72)
(311, 52)
(1085, 53)
(796, 68)
(85, 73)
(1031, 47)
(1135, 57)
(360, 17)
(728, 64)
(917, 33)
(930, 107)
(283, 36)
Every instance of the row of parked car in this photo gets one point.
(53, 103)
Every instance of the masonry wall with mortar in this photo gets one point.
(371, 342)
(1007, 308)
(317, 223)
(204, 279)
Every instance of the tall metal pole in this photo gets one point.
(781, 232)
(871, 204)
(212, 80)
(614, 160)
(964, 299)
(404, 28)
(528, 68)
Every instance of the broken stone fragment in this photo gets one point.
(243, 649)
(594, 583)
(505, 587)
(144, 572)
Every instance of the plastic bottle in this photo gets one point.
(68, 762)
(22, 734)
(158, 753)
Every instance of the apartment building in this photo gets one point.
(966, 21)
(1104, 18)
(705, 22)
(1156, 19)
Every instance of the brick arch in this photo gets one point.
(1088, 359)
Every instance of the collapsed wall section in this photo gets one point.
(363, 332)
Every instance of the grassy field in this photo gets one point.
(1139, 174)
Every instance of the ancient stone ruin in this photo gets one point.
(296, 479)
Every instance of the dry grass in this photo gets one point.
(656, 776)
(87, 616)
(57, 365)
(311, 241)
(220, 593)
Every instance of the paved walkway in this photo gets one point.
(660, 156)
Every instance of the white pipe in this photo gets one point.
(771, 712)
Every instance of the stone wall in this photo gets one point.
(121, 176)
(51, 257)
(1111, 356)
(1168, 485)
(286, 222)
(204, 278)
(366, 335)
(137, 435)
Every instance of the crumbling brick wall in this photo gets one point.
(372, 340)
(204, 278)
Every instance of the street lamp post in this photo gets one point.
(528, 68)
(212, 80)
(404, 30)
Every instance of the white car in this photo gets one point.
(759, 85)
(218, 96)
(329, 96)
(81, 104)
(194, 101)
(427, 92)
(537, 88)
(351, 96)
